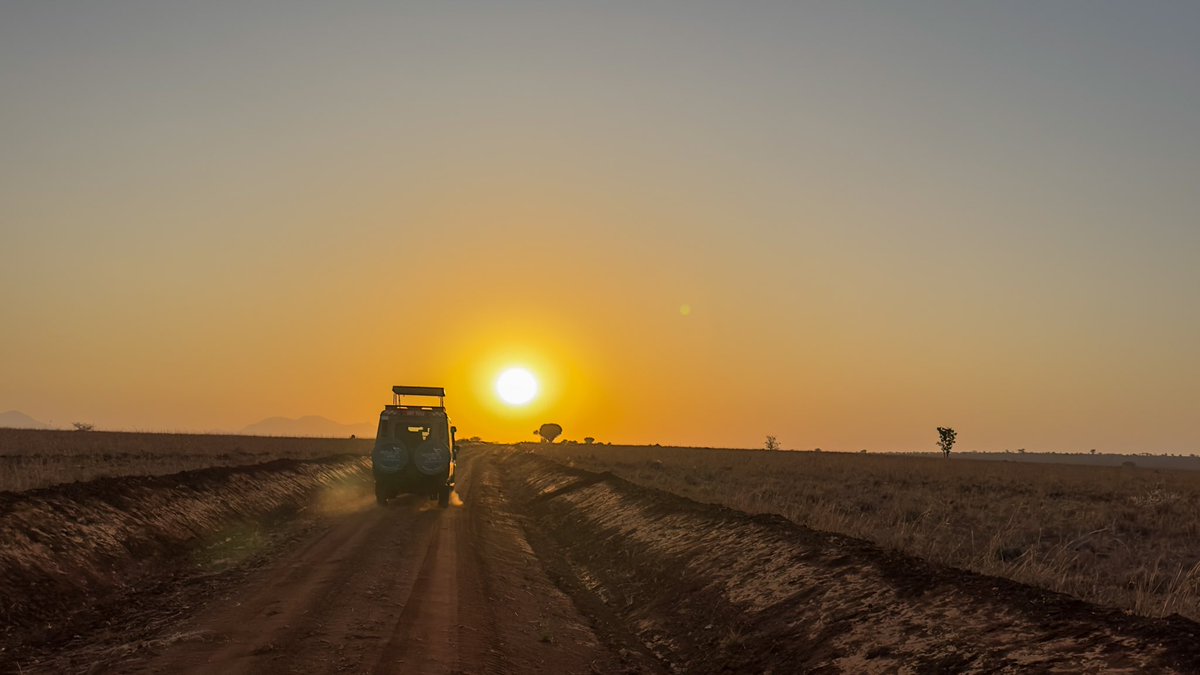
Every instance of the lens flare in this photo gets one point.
(516, 386)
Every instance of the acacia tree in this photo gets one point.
(549, 432)
(772, 443)
(946, 437)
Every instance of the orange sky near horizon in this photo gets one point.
(881, 221)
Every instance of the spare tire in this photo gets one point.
(390, 458)
(431, 458)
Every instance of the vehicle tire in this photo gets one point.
(444, 496)
(380, 495)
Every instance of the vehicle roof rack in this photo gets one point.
(399, 391)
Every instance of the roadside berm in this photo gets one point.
(709, 589)
(70, 547)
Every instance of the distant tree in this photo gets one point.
(772, 443)
(589, 440)
(84, 426)
(946, 438)
(1093, 451)
(549, 432)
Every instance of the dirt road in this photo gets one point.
(408, 588)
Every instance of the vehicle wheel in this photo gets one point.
(444, 496)
(380, 495)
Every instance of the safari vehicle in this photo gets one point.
(414, 448)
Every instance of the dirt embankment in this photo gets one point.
(710, 589)
(70, 546)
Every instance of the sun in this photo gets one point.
(516, 386)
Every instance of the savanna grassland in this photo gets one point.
(1121, 536)
(38, 458)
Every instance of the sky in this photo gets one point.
(839, 223)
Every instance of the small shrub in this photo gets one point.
(946, 438)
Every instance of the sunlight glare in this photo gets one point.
(516, 386)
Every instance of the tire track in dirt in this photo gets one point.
(424, 636)
(374, 591)
(301, 613)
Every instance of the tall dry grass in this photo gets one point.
(1120, 536)
(36, 458)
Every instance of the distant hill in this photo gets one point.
(309, 425)
(15, 419)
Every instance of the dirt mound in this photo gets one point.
(709, 589)
(70, 545)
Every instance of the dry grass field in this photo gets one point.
(1121, 536)
(36, 458)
